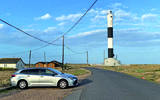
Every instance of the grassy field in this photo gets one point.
(75, 70)
(5, 75)
(149, 72)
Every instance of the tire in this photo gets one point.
(22, 84)
(63, 84)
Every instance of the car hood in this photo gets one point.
(68, 75)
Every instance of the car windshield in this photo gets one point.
(56, 71)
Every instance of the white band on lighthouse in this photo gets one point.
(110, 18)
(110, 42)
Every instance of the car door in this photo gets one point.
(33, 77)
(47, 78)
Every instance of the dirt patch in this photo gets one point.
(158, 80)
(41, 93)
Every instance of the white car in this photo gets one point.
(43, 76)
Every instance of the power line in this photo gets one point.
(25, 32)
(81, 17)
(74, 51)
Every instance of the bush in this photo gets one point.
(140, 71)
(8, 69)
(67, 66)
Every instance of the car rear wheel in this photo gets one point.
(63, 84)
(22, 84)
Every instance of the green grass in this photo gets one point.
(74, 70)
(77, 72)
(150, 72)
(8, 69)
(140, 71)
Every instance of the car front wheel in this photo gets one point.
(63, 84)
(22, 84)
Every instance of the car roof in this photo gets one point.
(34, 68)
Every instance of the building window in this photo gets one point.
(51, 65)
(5, 65)
(39, 65)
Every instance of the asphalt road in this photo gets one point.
(109, 85)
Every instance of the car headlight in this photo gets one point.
(71, 78)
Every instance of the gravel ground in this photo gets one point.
(42, 93)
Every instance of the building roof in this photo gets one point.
(43, 62)
(10, 60)
(54, 62)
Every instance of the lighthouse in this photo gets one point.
(110, 61)
(110, 34)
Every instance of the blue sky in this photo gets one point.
(136, 30)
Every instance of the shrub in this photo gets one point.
(8, 69)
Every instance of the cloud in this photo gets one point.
(98, 17)
(70, 17)
(8, 14)
(7, 35)
(50, 29)
(93, 11)
(87, 33)
(86, 39)
(1, 26)
(149, 17)
(104, 12)
(157, 26)
(118, 5)
(136, 37)
(44, 17)
(125, 17)
(62, 23)
(121, 13)
(153, 9)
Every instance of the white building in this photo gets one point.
(11, 63)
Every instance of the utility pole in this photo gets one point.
(45, 58)
(94, 57)
(116, 56)
(104, 56)
(87, 57)
(63, 54)
(30, 59)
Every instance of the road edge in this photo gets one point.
(7, 88)
(76, 94)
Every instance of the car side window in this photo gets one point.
(24, 72)
(33, 71)
(46, 72)
(43, 71)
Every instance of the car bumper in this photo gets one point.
(73, 82)
(13, 82)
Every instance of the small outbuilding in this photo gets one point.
(51, 64)
(11, 63)
(45, 64)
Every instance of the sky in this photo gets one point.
(136, 26)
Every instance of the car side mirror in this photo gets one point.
(53, 74)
